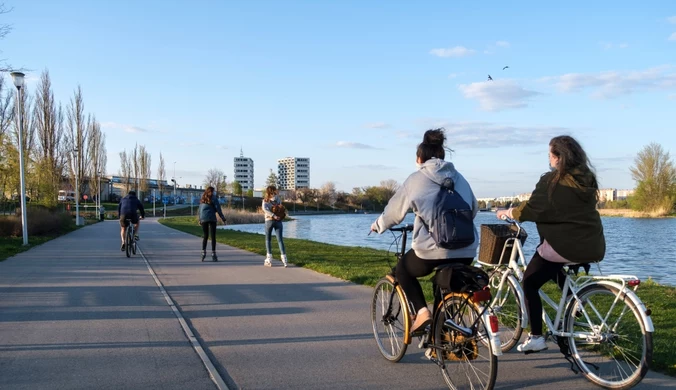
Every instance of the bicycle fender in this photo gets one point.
(631, 295)
(522, 300)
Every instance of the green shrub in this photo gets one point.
(41, 221)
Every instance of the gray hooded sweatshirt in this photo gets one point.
(418, 193)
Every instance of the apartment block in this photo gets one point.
(607, 195)
(624, 194)
(293, 173)
(244, 172)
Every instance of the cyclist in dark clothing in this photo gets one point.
(127, 210)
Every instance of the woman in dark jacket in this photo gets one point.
(563, 207)
(209, 207)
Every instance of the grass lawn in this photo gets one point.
(10, 246)
(366, 266)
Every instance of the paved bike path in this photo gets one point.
(277, 328)
(76, 313)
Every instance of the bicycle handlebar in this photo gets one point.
(407, 227)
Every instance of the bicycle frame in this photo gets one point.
(486, 315)
(622, 283)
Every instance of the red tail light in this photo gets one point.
(482, 295)
(494, 323)
(634, 282)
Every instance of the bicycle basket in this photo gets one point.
(493, 238)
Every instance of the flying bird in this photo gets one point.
(505, 67)
(490, 78)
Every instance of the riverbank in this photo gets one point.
(366, 266)
(629, 213)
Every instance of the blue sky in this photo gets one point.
(353, 85)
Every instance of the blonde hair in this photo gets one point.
(270, 193)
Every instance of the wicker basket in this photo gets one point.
(493, 238)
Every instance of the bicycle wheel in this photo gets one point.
(615, 355)
(389, 316)
(466, 362)
(127, 241)
(507, 307)
(133, 243)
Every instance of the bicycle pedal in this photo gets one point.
(530, 352)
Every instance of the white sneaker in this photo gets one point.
(533, 344)
(268, 262)
(284, 260)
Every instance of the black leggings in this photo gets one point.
(412, 267)
(209, 226)
(539, 272)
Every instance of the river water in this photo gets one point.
(641, 247)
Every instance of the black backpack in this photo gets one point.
(452, 226)
(460, 278)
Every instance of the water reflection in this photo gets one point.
(634, 246)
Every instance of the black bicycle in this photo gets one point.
(129, 241)
(462, 339)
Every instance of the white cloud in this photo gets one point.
(672, 19)
(457, 51)
(377, 125)
(221, 147)
(353, 145)
(504, 44)
(452, 75)
(468, 135)
(612, 84)
(125, 128)
(672, 37)
(497, 95)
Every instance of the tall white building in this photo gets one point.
(293, 173)
(244, 172)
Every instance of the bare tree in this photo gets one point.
(76, 141)
(216, 178)
(161, 175)
(49, 156)
(97, 155)
(125, 170)
(144, 164)
(135, 168)
(389, 187)
(328, 193)
(655, 176)
(4, 30)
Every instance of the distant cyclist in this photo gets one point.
(127, 209)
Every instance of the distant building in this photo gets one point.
(624, 194)
(244, 172)
(607, 195)
(293, 173)
(523, 197)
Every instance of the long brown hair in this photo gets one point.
(432, 145)
(270, 193)
(207, 195)
(571, 157)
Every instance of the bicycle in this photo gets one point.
(462, 338)
(129, 241)
(587, 322)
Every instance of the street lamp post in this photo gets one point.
(174, 180)
(77, 187)
(17, 77)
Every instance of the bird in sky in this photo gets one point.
(505, 67)
(490, 78)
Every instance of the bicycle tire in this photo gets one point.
(508, 309)
(395, 323)
(457, 354)
(607, 348)
(127, 241)
(133, 244)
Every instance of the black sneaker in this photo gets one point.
(204, 254)
(213, 256)
(136, 237)
(122, 248)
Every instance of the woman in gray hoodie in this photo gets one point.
(209, 207)
(418, 193)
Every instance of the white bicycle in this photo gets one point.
(600, 324)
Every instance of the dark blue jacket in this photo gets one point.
(208, 211)
(128, 206)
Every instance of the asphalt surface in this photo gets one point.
(76, 313)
